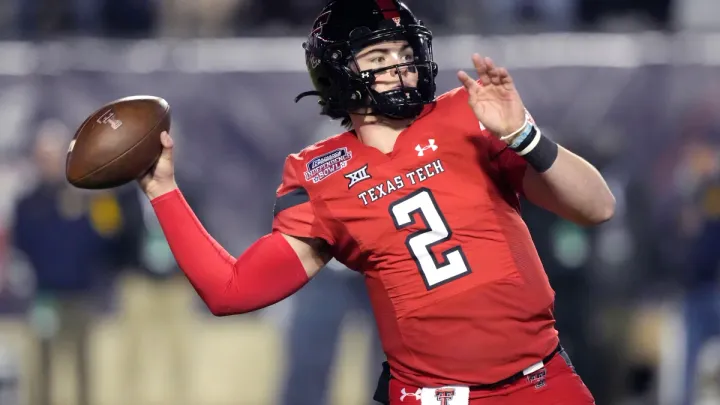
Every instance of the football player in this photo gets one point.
(422, 196)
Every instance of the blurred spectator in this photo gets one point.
(316, 325)
(688, 191)
(702, 298)
(67, 237)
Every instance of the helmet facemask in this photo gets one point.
(345, 89)
(405, 101)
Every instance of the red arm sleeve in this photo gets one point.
(267, 272)
(294, 214)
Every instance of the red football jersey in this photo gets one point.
(458, 290)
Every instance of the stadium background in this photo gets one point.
(633, 86)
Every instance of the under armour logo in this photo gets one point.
(357, 176)
(415, 394)
(444, 395)
(397, 21)
(421, 149)
(365, 75)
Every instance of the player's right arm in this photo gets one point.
(271, 269)
(311, 252)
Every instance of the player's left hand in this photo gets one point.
(493, 97)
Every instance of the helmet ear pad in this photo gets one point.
(341, 90)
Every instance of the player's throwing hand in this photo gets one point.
(161, 178)
(493, 97)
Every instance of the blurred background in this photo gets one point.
(93, 310)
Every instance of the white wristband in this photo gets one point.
(516, 133)
(532, 145)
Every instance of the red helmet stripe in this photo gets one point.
(388, 8)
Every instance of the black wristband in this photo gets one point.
(540, 152)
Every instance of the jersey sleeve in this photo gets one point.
(293, 213)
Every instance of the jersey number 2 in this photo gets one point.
(435, 273)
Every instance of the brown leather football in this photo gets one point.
(118, 143)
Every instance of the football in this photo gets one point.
(118, 143)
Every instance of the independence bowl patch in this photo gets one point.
(326, 164)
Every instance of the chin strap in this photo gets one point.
(305, 94)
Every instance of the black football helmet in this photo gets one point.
(343, 29)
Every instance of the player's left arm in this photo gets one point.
(555, 179)
(572, 188)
